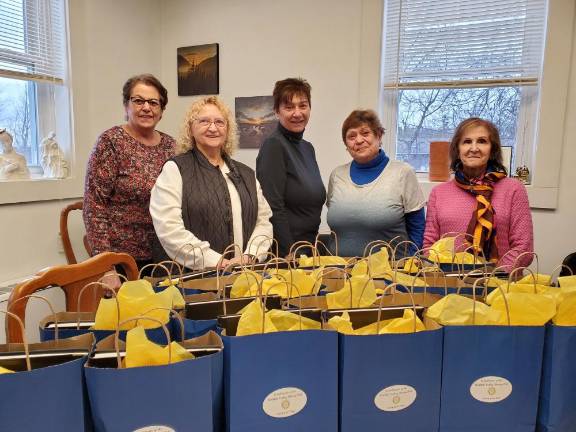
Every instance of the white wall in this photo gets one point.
(332, 43)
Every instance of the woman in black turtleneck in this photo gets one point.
(287, 170)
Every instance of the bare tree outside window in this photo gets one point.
(426, 115)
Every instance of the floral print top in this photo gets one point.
(120, 175)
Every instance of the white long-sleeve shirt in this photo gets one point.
(181, 244)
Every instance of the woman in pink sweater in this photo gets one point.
(481, 201)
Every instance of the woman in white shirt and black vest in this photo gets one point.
(204, 200)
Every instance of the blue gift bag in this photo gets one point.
(491, 378)
(182, 396)
(390, 382)
(285, 381)
(51, 396)
(557, 410)
(193, 328)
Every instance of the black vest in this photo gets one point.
(206, 205)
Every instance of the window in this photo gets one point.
(34, 96)
(447, 60)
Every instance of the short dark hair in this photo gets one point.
(493, 134)
(358, 118)
(147, 79)
(286, 89)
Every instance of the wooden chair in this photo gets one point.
(66, 243)
(71, 278)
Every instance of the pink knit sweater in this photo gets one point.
(450, 209)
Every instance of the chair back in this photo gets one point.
(71, 279)
(65, 236)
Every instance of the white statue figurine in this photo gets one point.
(13, 165)
(53, 162)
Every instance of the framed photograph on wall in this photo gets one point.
(507, 159)
(198, 70)
(256, 120)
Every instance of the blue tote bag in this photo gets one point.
(391, 382)
(181, 396)
(285, 381)
(49, 397)
(491, 378)
(557, 409)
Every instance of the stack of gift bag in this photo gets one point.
(329, 344)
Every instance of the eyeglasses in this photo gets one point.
(139, 102)
(205, 122)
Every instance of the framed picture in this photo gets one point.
(198, 70)
(256, 120)
(507, 159)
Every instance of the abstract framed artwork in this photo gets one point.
(198, 70)
(256, 120)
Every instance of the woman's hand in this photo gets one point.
(111, 279)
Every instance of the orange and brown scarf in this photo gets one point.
(482, 226)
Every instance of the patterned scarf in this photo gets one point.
(482, 226)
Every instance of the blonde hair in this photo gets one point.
(187, 142)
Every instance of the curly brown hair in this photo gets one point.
(147, 79)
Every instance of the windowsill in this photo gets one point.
(539, 197)
(40, 189)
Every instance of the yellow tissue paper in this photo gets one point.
(341, 324)
(455, 309)
(166, 282)
(306, 284)
(567, 281)
(5, 371)
(443, 252)
(411, 265)
(289, 321)
(358, 292)
(404, 324)
(378, 262)
(566, 313)
(134, 298)
(141, 352)
(525, 309)
(251, 320)
(329, 260)
(245, 283)
(541, 279)
(517, 287)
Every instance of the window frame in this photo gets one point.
(50, 93)
(554, 84)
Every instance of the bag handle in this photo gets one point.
(375, 243)
(264, 301)
(171, 312)
(533, 254)
(517, 269)
(483, 279)
(117, 337)
(154, 267)
(406, 243)
(327, 271)
(230, 249)
(265, 238)
(302, 245)
(189, 247)
(54, 316)
(559, 267)
(389, 288)
(106, 287)
(332, 233)
(24, 340)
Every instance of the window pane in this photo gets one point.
(433, 114)
(18, 116)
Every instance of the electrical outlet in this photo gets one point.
(60, 245)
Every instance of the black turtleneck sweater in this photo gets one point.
(287, 170)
